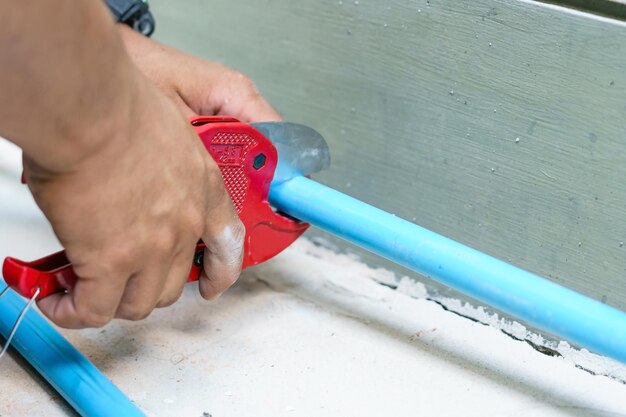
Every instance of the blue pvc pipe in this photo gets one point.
(84, 387)
(549, 306)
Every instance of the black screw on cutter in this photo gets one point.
(259, 161)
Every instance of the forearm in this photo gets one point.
(63, 65)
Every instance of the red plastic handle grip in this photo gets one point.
(247, 161)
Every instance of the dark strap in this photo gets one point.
(134, 13)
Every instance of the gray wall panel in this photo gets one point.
(422, 103)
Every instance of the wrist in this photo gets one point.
(89, 89)
(156, 61)
(91, 135)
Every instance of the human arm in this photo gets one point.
(113, 164)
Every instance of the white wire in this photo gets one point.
(19, 319)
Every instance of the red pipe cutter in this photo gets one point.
(247, 160)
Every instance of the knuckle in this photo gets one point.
(133, 312)
(119, 257)
(166, 302)
(170, 299)
(164, 241)
(196, 220)
(244, 84)
(94, 319)
(141, 315)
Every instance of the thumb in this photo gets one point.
(223, 258)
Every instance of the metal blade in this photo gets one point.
(301, 150)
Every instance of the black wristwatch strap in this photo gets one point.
(134, 13)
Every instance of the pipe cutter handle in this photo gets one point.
(247, 161)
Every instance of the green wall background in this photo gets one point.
(500, 124)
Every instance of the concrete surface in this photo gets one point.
(311, 333)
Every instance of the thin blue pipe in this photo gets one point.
(82, 385)
(549, 306)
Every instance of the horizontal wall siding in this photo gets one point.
(501, 124)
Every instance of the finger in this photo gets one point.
(257, 109)
(177, 276)
(91, 303)
(222, 260)
(236, 95)
(182, 106)
(143, 290)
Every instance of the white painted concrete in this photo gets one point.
(308, 334)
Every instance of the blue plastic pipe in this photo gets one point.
(549, 306)
(82, 385)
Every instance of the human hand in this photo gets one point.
(130, 215)
(197, 86)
